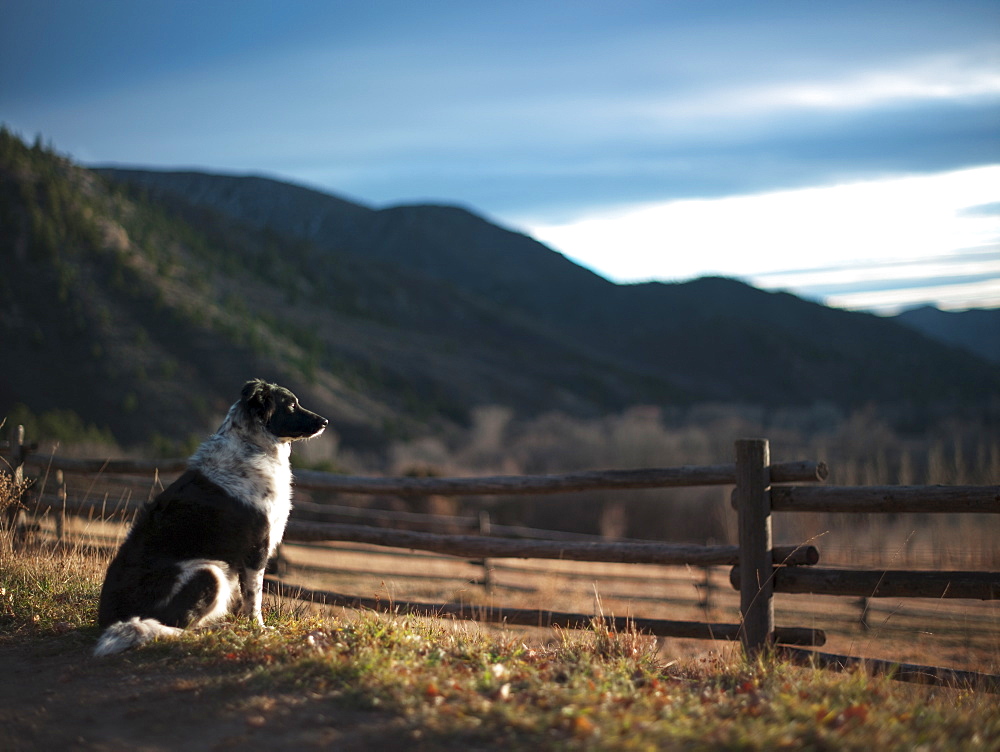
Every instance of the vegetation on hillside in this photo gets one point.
(60, 427)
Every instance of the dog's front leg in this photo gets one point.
(252, 592)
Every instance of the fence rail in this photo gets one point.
(677, 477)
(542, 617)
(480, 546)
(110, 467)
(907, 672)
(887, 499)
(884, 584)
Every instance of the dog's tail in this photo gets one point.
(136, 631)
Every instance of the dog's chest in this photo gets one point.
(271, 493)
(279, 507)
(260, 481)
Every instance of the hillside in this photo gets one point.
(977, 331)
(141, 301)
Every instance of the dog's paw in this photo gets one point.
(258, 623)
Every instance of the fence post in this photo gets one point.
(61, 512)
(17, 454)
(756, 560)
(707, 588)
(18, 516)
(484, 529)
(863, 603)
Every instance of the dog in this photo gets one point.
(201, 546)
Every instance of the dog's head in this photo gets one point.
(278, 411)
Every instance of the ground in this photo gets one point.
(55, 696)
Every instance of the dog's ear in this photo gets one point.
(259, 401)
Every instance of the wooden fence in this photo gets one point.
(757, 579)
(760, 568)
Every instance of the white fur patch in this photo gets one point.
(225, 579)
(129, 634)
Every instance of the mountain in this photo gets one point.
(707, 339)
(977, 331)
(142, 300)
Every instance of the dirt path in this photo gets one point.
(54, 696)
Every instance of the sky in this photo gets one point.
(848, 152)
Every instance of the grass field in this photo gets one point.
(361, 680)
(445, 685)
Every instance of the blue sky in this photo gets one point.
(847, 151)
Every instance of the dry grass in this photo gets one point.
(43, 589)
(455, 685)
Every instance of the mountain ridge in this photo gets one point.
(975, 330)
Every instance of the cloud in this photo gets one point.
(955, 297)
(970, 278)
(526, 146)
(983, 210)
(938, 77)
(898, 233)
(537, 110)
(908, 217)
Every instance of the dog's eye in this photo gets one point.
(291, 408)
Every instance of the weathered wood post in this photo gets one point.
(484, 529)
(863, 604)
(61, 512)
(756, 557)
(17, 454)
(18, 516)
(706, 589)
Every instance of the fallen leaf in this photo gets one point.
(583, 726)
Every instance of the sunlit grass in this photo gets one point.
(592, 689)
(42, 591)
(596, 688)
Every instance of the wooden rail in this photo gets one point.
(908, 672)
(469, 546)
(677, 477)
(108, 467)
(684, 476)
(887, 499)
(886, 584)
(540, 617)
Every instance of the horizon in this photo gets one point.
(850, 155)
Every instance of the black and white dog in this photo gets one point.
(201, 546)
